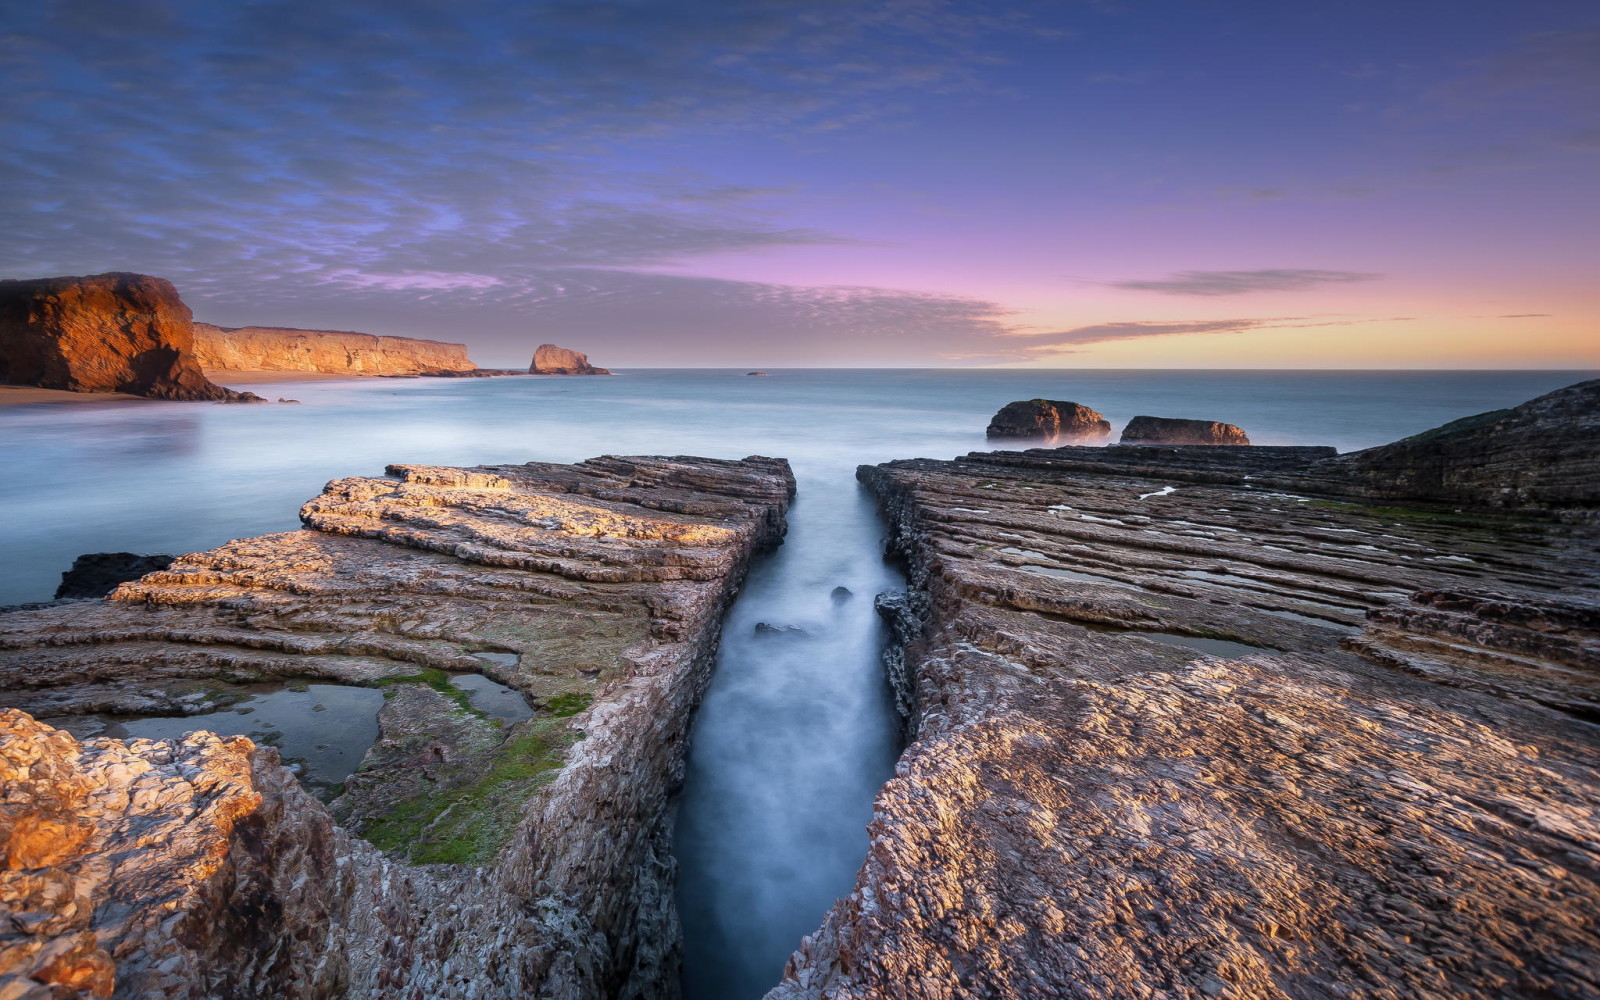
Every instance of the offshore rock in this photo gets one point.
(1170, 430)
(96, 574)
(114, 332)
(278, 349)
(552, 360)
(1048, 419)
(1147, 761)
(1540, 454)
(469, 856)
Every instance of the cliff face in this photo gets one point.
(274, 349)
(469, 856)
(1147, 760)
(552, 360)
(115, 332)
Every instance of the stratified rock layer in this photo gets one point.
(1048, 419)
(1142, 765)
(115, 332)
(276, 349)
(1171, 430)
(549, 359)
(472, 857)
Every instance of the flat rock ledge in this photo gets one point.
(468, 857)
(1181, 728)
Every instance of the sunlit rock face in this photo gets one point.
(472, 854)
(1170, 430)
(275, 349)
(1145, 764)
(115, 332)
(549, 359)
(1048, 420)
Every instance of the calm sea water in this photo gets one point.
(796, 731)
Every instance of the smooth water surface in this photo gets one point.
(796, 731)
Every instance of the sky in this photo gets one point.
(768, 183)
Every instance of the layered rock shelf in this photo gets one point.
(278, 349)
(469, 856)
(1186, 722)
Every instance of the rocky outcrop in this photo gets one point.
(338, 352)
(1171, 430)
(1048, 420)
(115, 332)
(469, 856)
(552, 360)
(96, 574)
(1144, 763)
(1539, 454)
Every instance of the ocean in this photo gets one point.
(796, 731)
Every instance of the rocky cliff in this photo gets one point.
(275, 349)
(469, 856)
(1049, 420)
(115, 332)
(1148, 761)
(549, 359)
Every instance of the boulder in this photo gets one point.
(1051, 419)
(338, 352)
(1171, 430)
(115, 332)
(552, 360)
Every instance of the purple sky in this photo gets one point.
(777, 183)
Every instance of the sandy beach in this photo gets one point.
(25, 395)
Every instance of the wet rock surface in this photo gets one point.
(96, 574)
(548, 359)
(475, 852)
(281, 349)
(1148, 761)
(114, 332)
(1171, 430)
(1049, 420)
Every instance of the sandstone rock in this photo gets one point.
(1170, 430)
(1049, 419)
(96, 574)
(278, 349)
(115, 332)
(523, 858)
(1142, 765)
(552, 360)
(1544, 453)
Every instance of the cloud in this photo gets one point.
(1524, 315)
(1212, 283)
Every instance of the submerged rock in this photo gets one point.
(552, 360)
(474, 853)
(282, 349)
(1144, 763)
(1171, 430)
(1049, 419)
(114, 332)
(96, 574)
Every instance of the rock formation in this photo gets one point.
(115, 332)
(1147, 760)
(1170, 430)
(468, 857)
(276, 349)
(552, 360)
(1539, 454)
(1048, 420)
(96, 574)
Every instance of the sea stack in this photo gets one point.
(1170, 430)
(114, 332)
(552, 360)
(1049, 419)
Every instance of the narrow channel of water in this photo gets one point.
(795, 735)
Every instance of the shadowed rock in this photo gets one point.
(552, 360)
(471, 854)
(114, 332)
(279, 349)
(96, 574)
(1171, 430)
(1049, 420)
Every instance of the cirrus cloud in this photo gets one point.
(1213, 283)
